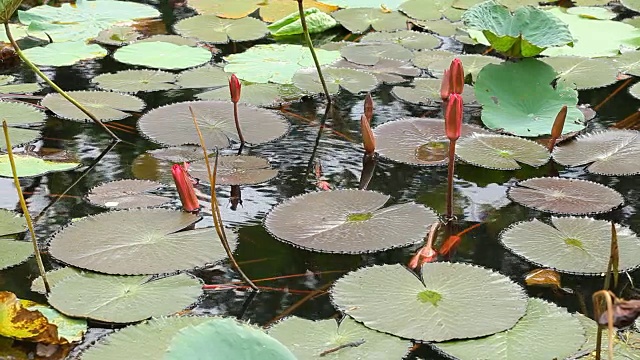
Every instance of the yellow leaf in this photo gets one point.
(19, 323)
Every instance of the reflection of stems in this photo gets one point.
(317, 143)
(25, 210)
(452, 162)
(215, 207)
(305, 29)
(368, 167)
(235, 117)
(53, 85)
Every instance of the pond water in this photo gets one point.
(295, 280)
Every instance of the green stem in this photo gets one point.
(53, 85)
(307, 37)
(25, 210)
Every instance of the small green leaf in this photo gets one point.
(317, 22)
(359, 217)
(7, 7)
(162, 55)
(65, 53)
(28, 165)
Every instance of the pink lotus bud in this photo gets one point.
(456, 77)
(185, 188)
(368, 140)
(368, 107)
(453, 117)
(444, 86)
(234, 88)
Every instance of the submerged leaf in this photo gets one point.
(501, 151)
(236, 170)
(28, 166)
(104, 105)
(126, 194)
(215, 30)
(135, 80)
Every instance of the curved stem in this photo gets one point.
(307, 37)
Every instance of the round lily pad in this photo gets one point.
(53, 277)
(374, 4)
(267, 95)
(213, 29)
(609, 152)
(359, 19)
(412, 40)
(104, 105)
(204, 77)
(64, 53)
(501, 152)
(162, 55)
(348, 221)
(437, 61)
(387, 71)
(440, 27)
(565, 196)
(585, 73)
(416, 141)
(235, 170)
(28, 166)
(118, 36)
(124, 299)
(308, 339)
(173, 124)
(172, 39)
(451, 301)
(156, 164)
(19, 113)
(26, 88)
(11, 222)
(427, 92)
(351, 80)
(545, 332)
(140, 241)
(135, 80)
(13, 252)
(370, 54)
(19, 136)
(578, 245)
(126, 194)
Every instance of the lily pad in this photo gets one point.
(416, 141)
(592, 12)
(14, 252)
(376, 4)
(270, 11)
(123, 299)
(162, 55)
(609, 152)
(118, 36)
(412, 40)
(370, 54)
(11, 223)
(576, 245)
(386, 70)
(156, 164)
(19, 113)
(18, 31)
(501, 152)
(427, 92)
(451, 301)
(358, 20)
(53, 277)
(518, 98)
(173, 124)
(545, 332)
(440, 27)
(585, 73)
(437, 61)
(431, 10)
(351, 80)
(104, 105)
(28, 166)
(267, 95)
(172, 39)
(17, 322)
(308, 339)
(26, 88)
(204, 77)
(19, 136)
(64, 54)
(348, 221)
(565, 196)
(136, 80)
(141, 241)
(236, 170)
(213, 29)
(126, 194)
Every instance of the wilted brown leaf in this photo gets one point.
(19, 323)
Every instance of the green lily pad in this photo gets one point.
(437, 61)
(585, 73)
(358, 20)
(412, 40)
(427, 92)
(386, 70)
(592, 12)
(126, 194)
(628, 63)
(317, 22)
(204, 77)
(440, 27)
(370, 54)
(270, 11)
(28, 166)
(64, 54)
(53, 277)
(11, 223)
(213, 29)
(348, 221)
(267, 95)
(104, 105)
(19, 137)
(518, 98)
(13, 252)
(450, 301)
(235, 170)
(351, 80)
(18, 31)
(545, 332)
(577, 245)
(275, 63)
(136, 80)
(26, 88)
(140, 241)
(172, 39)
(501, 152)
(72, 330)
(162, 55)
(123, 299)
(609, 152)
(19, 113)
(376, 4)
(431, 10)
(118, 36)
(156, 164)
(565, 196)
(308, 339)
(7, 8)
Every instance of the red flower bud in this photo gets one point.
(368, 140)
(453, 117)
(185, 188)
(368, 107)
(444, 86)
(234, 88)
(456, 77)
(423, 256)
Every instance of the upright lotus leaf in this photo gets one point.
(118, 36)
(104, 105)
(213, 29)
(131, 81)
(565, 196)
(308, 339)
(352, 80)
(518, 98)
(525, 33)
(7, 8)
(437, 61)
(431, 10)
(162, 55)
(348, 221)
(370, 54)
(17, 322)
(584, 73)
(267, 95)
(427, 92)
(28, 166)
(412, 40)
(451, 301)
(53, 278)
(317, 22)
(124, 299)
(69, 330)
(358, 20)
(64, 54)
(235, 170)
(577, 245)
(275, 62)
(545, 332)
(173, 124)
(270, 11)
(227, 339)
(501, 152)
(11, 223)
(126, 194)
(386, 70)
(13, 252)
(608, 152)
(140, 241)
(203, 77)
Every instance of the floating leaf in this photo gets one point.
(126, 194)
(18, 31)
(375, 4)
(162, 55)
(118, 36)
(308, 339)
(213, 29)
(64, 54)
(592, 12)
(236, 170)
(518, 98)
(13, 252)
(609, 152)
(351, 80)
(267, 95)
(437, 61)
(172, 39)
(156, 164)
(427, 92)
(204, 77)
(501, 152)
(69, 330)
(585, 73)
(173, 124)
(141, 241)
(631, 4)
(440, 27)
(53, 278)
(104, 105)
(386, 70)
(451, 301)
(135, 80)
(19, 113)
(412, 40)
(432, 10)
(370, 54)
(348, 221)
(19, 323)
(19, 136)
(317, 22)
(11, 223)
(576, 245)
(26, 88)
(28, 166)
(545, 332)
(543, 277)
(123, 299)
(270, 11)
(565, 196)
(358, 20)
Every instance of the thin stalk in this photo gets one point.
(235, 117)
(305, 29)
(617, 90)
(451, 168)
(25, 209)
(53, 85)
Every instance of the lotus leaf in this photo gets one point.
(19, 136)
(64, 54)
(236, 170)
(440, 27)
(118, 36)
(545, 332)
(28, 166)
(427, 92)
(348, 221)
(412, 40)
(501, 152)
(123, 299)
(17, 30)
(20, 323)
(577, 245)
(11, 223)
(308, 339)
(565, 196)
(162, 55)
(628, 63)
(53, 278)
(317, 22)
(518, 98)
(351, 80)
(431, 10)
(585, 73)
(213, 29)
(104, 105)
(126, 194)
(135, 80)
(27, 88)
(204, 77)
(156, 164)
(270, 11)
(386, 70)
(13, 252)
(7, 8)
(437, 61)
(267, 95)
(172, 39)
(370, 54)
(359, 20)
(631, 4)
(592, 12)
(450, 301)
(140, 241)
(19, 113)
(375, 4)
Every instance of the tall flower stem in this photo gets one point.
(235, 117)
(307, 37)
(451, 168)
